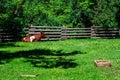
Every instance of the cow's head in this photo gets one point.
(26, 39)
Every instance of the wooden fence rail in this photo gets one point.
(62, 33)
(103, 32)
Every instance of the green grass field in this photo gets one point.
(60, 60)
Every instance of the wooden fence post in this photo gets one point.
(63, 33)
(31, 30)
(119, 31)
(92, 31)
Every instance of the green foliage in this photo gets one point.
(80, 13)
(71, 13)
(105, 13)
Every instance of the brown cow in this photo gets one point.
(34, 37)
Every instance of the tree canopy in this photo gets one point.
(71, 13)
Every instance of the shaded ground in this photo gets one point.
(42, 58)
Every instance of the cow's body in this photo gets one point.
(33, 37)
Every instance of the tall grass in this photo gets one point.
(60, 60)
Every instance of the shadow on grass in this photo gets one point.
(43, 58)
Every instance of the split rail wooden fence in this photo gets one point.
(105, 32)
(62, 33)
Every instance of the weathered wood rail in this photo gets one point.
(62, 33)
(52, 33)
(104, 32)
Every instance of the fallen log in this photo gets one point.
(29, 75)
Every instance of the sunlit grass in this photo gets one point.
(60, 60)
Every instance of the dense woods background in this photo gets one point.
(15, 14)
